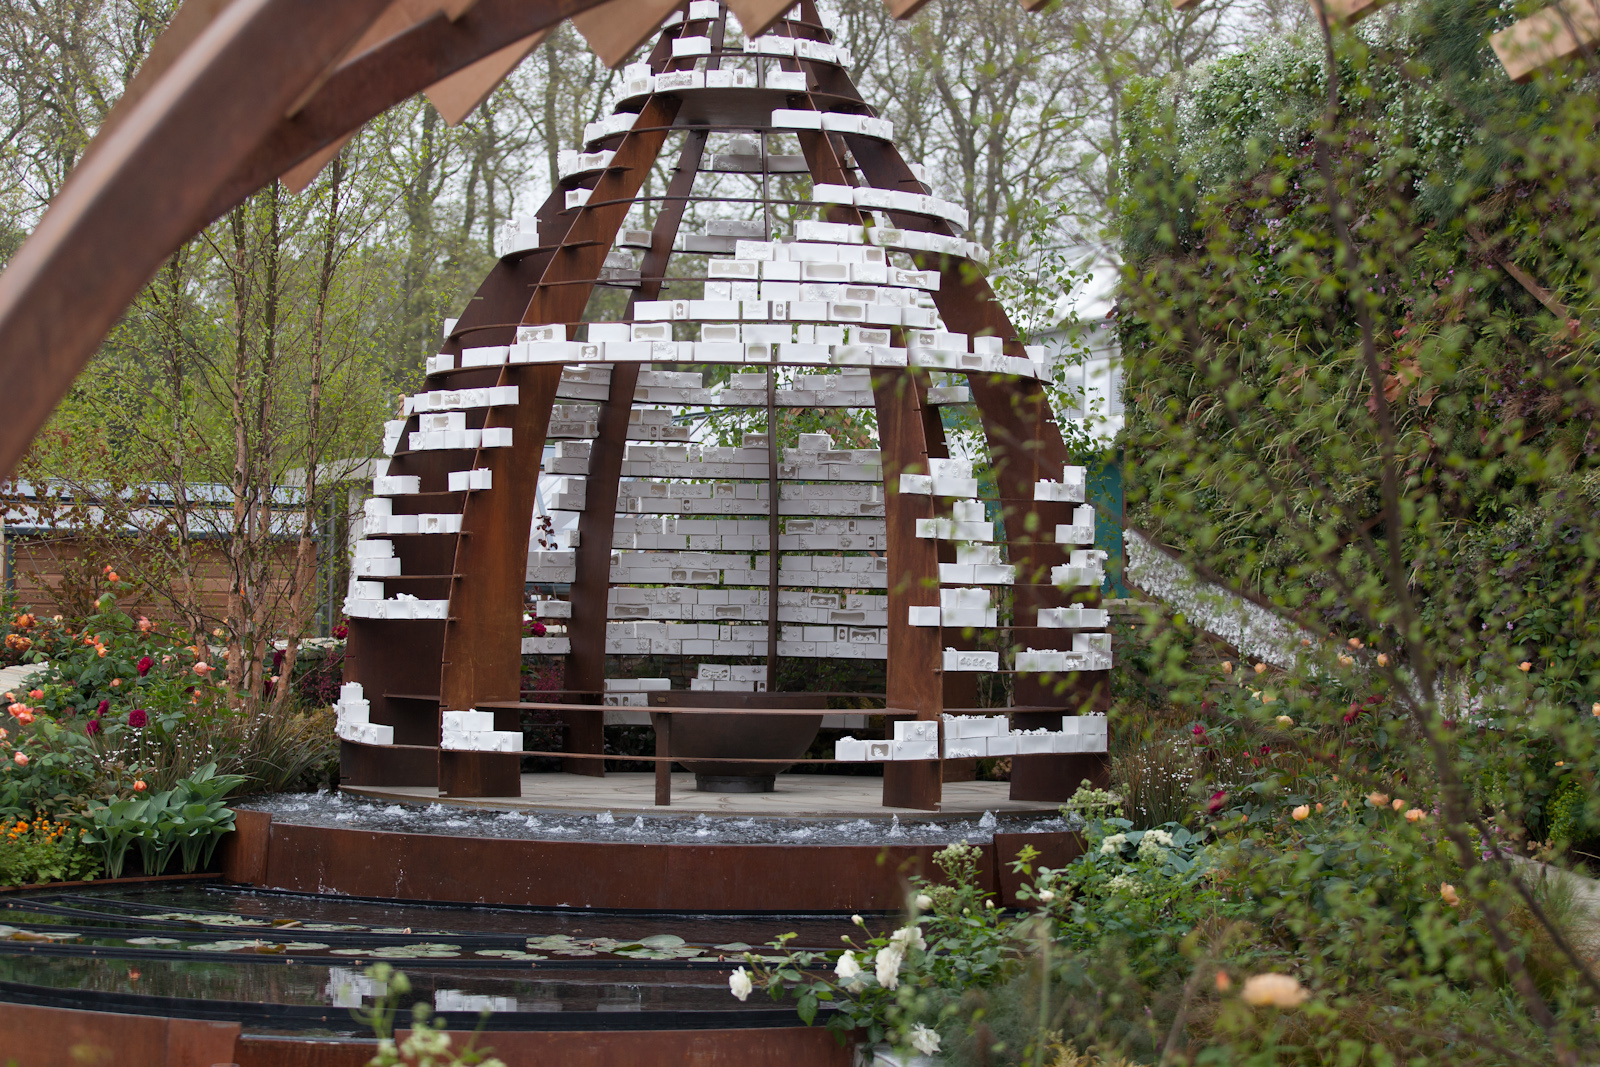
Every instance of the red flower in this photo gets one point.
(91, 727)
(1266, 750)
(1219, 798)
(1199, 731)
(105, 706)
(1353, 714)
(341, 631)
(538, 629)
(144, 665)
(137, 718)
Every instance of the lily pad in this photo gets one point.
(350, 952)
(509, 954)
(663, 941)
(553, 941)
(733, 946)
(153, 941)
(226, 946)
(424, 950)
(304, 946)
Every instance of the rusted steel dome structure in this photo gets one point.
(830, 276)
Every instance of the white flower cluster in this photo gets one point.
(1127, 885)
(1113, 844)
(1154, 845)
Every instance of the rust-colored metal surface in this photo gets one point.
(387, 764)
(595, 875)
(798, 1046)
(915, 677)
(479, 774)
(243, 853)
(1055, 850)
(732, 736)
(63, 1037)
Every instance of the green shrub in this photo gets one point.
(42, 850)
(188, 820)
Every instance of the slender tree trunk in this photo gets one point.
(304, 577)
(237, 538)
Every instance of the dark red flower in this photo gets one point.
(1207, 706)
(341, 631)
(105, 706)
(137, 718)
(1351, 715)
(92, 727)
(1219, 798)
(538, 629)
(144, 665)
(1266, 750)
(1199, 731)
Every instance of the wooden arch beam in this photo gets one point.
(205, 134)
(143, 190)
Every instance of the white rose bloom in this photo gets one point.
(1047, 896)
(887, 965)
(924, 902)
(909, 937)
(847, 968)
(924, 1040)
(739, 983)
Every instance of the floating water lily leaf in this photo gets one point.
(661, 941)
(226, 946)
(424, 950)
(555, 942)
(509, 954)
(304, 946)
(350, 952)
(203, 919)
(733, 946)
(152, 941)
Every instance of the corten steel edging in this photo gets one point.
(694, 878)
(791, 1046)
(132, 879)
(126, 208)
(36, 1036)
